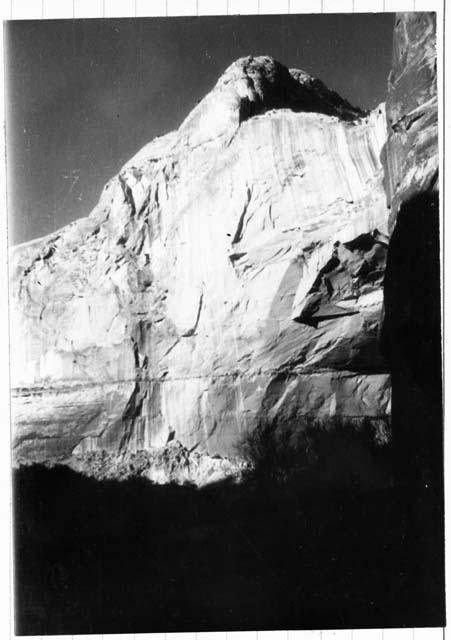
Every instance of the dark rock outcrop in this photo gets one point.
(410, 156)
(412, 323)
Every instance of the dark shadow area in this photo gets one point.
(346, 454)
(114, 557)
(411, 341)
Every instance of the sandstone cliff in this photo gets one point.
(411, 153)
(231, 274)
(411, 335)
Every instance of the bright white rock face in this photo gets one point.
(230, 274)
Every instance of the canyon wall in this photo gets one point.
(411, 336)
(230, 276)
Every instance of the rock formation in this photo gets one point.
(411, 153)
(231, 274)
(411, 334)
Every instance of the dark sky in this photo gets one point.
(84, 95)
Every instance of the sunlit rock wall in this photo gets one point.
(230, 273)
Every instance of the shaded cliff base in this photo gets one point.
(411, 338)
(352, 452)
(116, 557)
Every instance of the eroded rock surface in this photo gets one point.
(231, 273)
(411, 153)
(412, 325)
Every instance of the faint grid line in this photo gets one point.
(167, 13)
(11, 575)
(443, 186)
(136, 8)
(42, 9)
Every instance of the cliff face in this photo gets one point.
(411, 154)
(411, 334)
(231, 274)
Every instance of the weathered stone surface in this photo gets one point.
(411, 335)
(411, 153)
(232, 271)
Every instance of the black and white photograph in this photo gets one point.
(225, 323)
